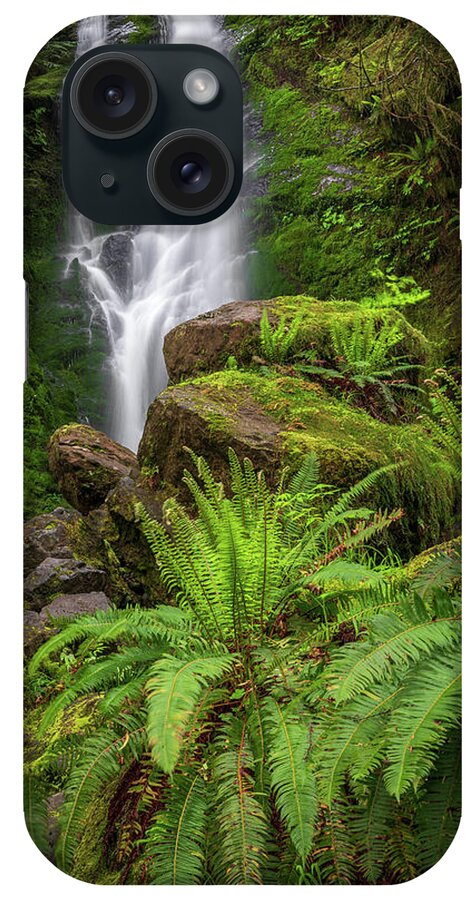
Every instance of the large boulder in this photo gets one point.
(276, 420)
(189, 415)
(204, 344)
(87, 464)
(67, 606)
(39, 626)
(66, 554)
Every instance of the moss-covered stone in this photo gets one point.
(276, 420)
(204, 344)
(128, 550)
(87, 464)
(418, 564)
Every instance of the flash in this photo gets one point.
(201, 86)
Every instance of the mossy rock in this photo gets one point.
(276, 420)
(87, 464)
(418, 564)
(126, 545)
(203, 344)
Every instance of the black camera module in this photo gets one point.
(190, 172)
(145, 139)
(113, 95)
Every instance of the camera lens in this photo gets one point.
(113, 95)
(190, 172)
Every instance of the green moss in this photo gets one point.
(90, 862)
(338, 159)
(348, 443)
(46, 86)
(77, 719)
(318, 316)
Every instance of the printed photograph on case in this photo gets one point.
(242, 479)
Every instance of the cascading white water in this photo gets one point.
(171, 273)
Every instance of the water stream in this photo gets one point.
(142, 282)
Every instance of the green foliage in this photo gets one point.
(277, 343)
(292, 778)
(199, 693)
(244, 557)
(361, 119)
(393, 290)
(173, 690)
(395, 708)
(444, 421)
(368, 369)
(178, 834)
(36, 813)
(295, 717)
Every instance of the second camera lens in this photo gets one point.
(190, 172)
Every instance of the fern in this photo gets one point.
(36, 812)
(242, 833)
(393, 643)
(176, 839)
(371, 823)
(292, 779)
(429, 704)
(438, 813)
(234, 739)
(365, 365)
(277, 343)
(102, 760)
(443, 424)
(173, 689)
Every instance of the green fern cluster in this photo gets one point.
(365, 362)
(238, 756)
(389, 728)
(277, 343)
(443, 423)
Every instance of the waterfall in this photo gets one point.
(142, 282)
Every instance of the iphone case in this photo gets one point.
(242, 478)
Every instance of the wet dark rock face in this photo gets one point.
(116, 260)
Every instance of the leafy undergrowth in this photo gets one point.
(293, 720)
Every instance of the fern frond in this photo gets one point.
(175, 841)
(108, 627)
(173, 690)
(441, 571)
(370, 823)
(401, 859)
(36, 812)
(102, 758)
(439, 811)
(98, 675)
(353, 739)
(393, 644)
(333, 855)
(429, 705)
(242, 834)
(292, 779)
